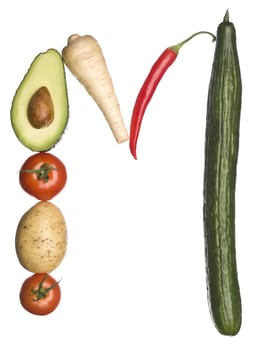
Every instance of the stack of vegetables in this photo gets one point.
(39, 116)
(41, 235)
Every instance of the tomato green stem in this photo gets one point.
(42, 172)
(42, 292)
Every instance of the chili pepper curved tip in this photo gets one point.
(133, 150)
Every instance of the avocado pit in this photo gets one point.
(40, 109)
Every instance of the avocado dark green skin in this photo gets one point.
(46, 70)
(221, 156)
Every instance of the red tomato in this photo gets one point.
(43, 175)
(40, 294)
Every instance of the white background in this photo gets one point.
(133, 276)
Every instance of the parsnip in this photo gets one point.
(84, 58)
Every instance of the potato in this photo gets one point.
(41, 238)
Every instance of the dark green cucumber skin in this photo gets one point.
(221, 156)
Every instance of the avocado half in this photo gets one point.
(46, 71)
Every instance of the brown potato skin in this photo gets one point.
(41, 238)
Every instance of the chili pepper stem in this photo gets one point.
(177, 47)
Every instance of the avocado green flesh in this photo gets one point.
(47, 70)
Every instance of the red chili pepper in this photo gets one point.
(149, 86)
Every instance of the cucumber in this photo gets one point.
(221, 155)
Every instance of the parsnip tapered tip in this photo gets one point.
(122, 139)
